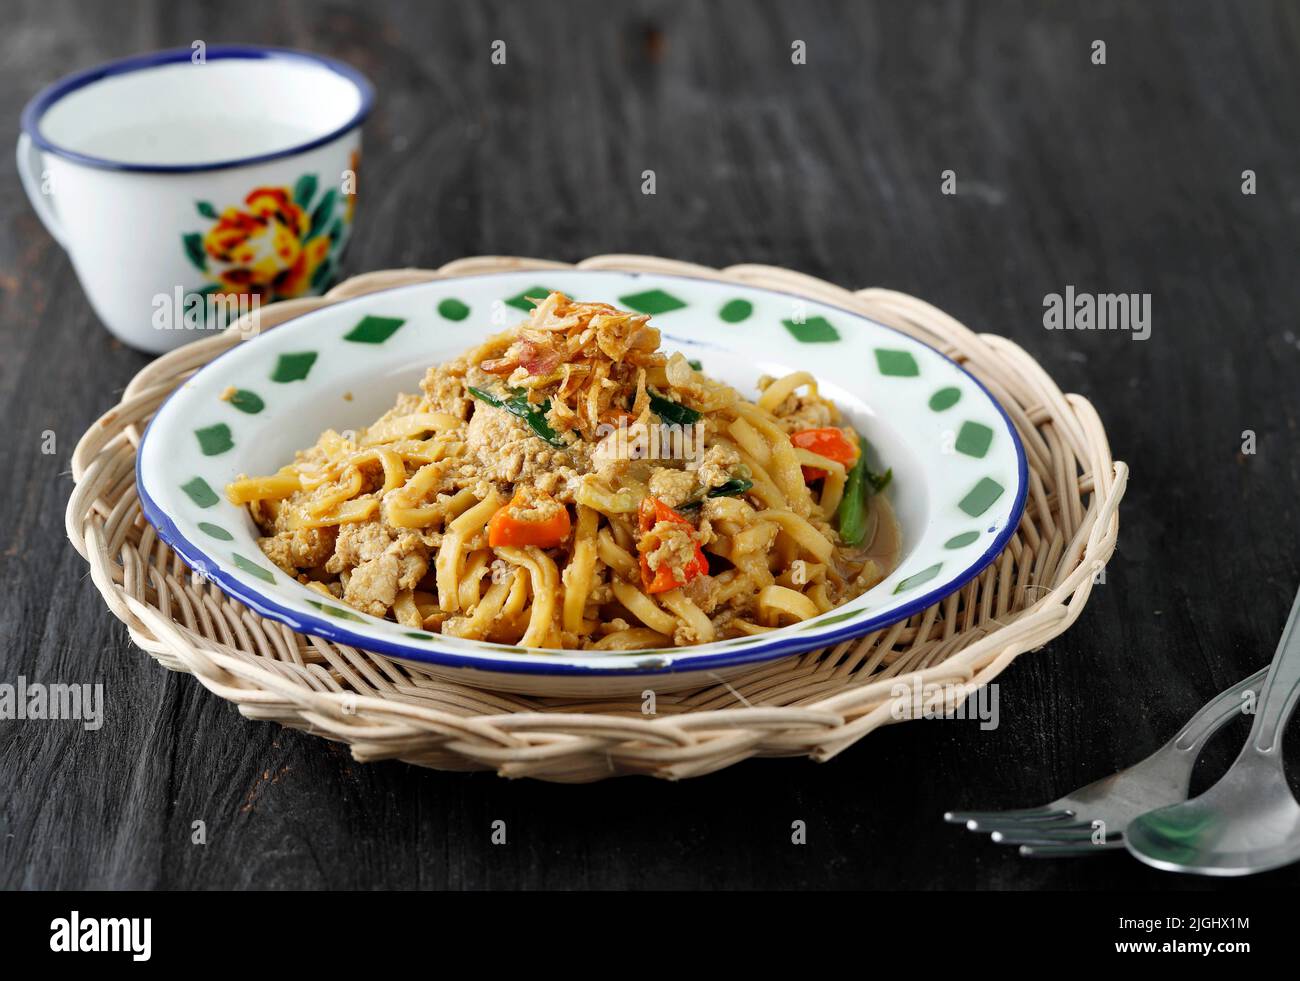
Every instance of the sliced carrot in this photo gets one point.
(830, 442)
(508, 528)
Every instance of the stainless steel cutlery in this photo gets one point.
(1098, 815)
(1247, 822)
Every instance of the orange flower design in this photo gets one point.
(266, 248)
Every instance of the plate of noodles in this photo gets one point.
(528, 479)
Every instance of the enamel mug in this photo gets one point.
(192, 186)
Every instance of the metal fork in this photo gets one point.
(1070, 825)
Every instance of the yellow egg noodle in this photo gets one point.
(567, 484)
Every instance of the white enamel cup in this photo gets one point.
(190, 186)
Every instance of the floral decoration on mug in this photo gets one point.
(281, 243)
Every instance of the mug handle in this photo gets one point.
(29, 163)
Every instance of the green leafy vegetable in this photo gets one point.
(483, 396)
(859, 486)
(697, 365)
(732, 488)
(673, 412)
(852, 512)
(729, 488)
(519, 406)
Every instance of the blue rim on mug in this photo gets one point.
(47, 97)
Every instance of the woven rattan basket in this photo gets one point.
(814, 704)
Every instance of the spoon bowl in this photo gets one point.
(1247, 822)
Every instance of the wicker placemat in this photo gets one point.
(814, 704)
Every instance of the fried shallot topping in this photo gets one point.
(588, 359)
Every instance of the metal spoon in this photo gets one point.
(1248, 821)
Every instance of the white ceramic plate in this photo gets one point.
(959, 468)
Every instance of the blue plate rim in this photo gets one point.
(536, 663)
(40, 103)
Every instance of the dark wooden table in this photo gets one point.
(1122, 177)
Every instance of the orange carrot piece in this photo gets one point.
(508, 529)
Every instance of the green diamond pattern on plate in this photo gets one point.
(651, 302)
(293, 367)
(198, 491)
(522, 301)
(814, 330)
(216, 531)
(339, 612)
(373, 330)
(214, 440)
(453, 309)
(252, 568)
(945, 398)
(981, 497)
(924, 576)
(900, 364)
(246, 401)
(962, 540)
(973, 439)
(734, 311)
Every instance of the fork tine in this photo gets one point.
(1028, 836)
(997, 822)
(1070, 851)
(1046, 812)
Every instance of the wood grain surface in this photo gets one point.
(1122, 177)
